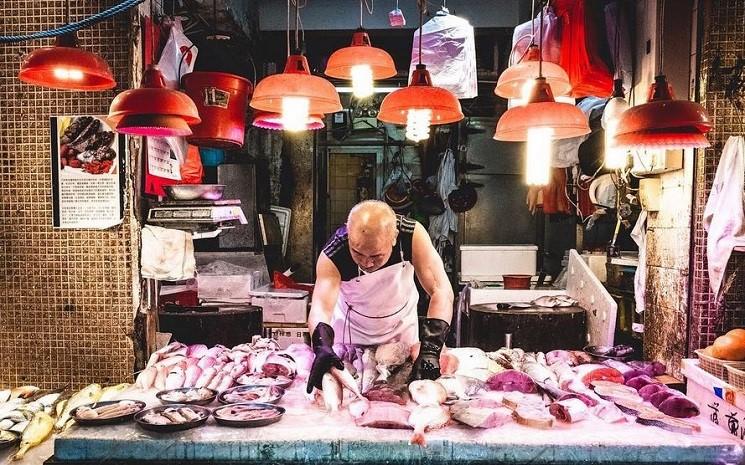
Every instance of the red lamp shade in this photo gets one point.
(420, 95)
(542, 111)
(296, 81)
(663, 122)
(361, 52)
(273, 121)
(153, 109)
(66, 66)
(513, 80)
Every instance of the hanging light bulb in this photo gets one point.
(538, 161)
(615, 157)
(362, 81)
(418, 123)
(295, 112)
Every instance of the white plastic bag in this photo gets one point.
(178, 51)
(449, 51)
(551, 44)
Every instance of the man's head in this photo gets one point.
(372, 234)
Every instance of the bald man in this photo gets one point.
(365, 293)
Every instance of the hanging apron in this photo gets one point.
(724, 219)
(378, 307)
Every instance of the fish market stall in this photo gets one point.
(248, 404)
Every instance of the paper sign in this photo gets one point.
(87, 173)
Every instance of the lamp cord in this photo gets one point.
(73, 27)
(421, 20)
(532, 24)
(617, 42)
(660, 42)
(540, 49)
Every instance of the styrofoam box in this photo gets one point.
(285, 335)
(720, 404)
(281, 305)
(491, 262)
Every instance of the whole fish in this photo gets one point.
(388, 356)
(35, 433)
(4, 395)
(191, 375)
(24, 392)
(112, 392)
(347, 380)
(426, 418)
(332, 392)
(460, 387)
(87, 395)
(146, 378)
(175, 378)
(538, 371)
(551, 301)
(427, 392)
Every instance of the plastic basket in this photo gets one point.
(716, 367)
(736, 376)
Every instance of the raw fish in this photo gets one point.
(589, 373)
(384, 415)
(191, 375)
(332, 392)
(369, 372)
(568, 410)
(390, 355)
(426, 392)
(480, 417)
(358, 407)
(609, 412)
(38, 429)
(426, 418)
(511, 380)
(679, 407)
(146, 378)
(346, 380)
(641, 381)
(533, 416)
(87, 395)
(668, 423)
(175, 378)
(650, 389)
(388, 393)
(460, 387)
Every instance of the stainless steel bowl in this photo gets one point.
(195, 191)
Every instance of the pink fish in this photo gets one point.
(192, 375)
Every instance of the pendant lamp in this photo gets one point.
(361, 62)
(273, 121)
(153, 109)
(663, 123)
(66, 66)
(295, 94)
(542, 116)
(517, 80)
(421, 104)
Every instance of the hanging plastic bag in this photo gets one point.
(551, 43)
(449, 51)
(192, 171)
(580, 50)
(178, 57)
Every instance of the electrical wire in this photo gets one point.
(73, 27)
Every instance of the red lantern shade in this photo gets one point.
(273, 121)
(662, 122)
(66, 66)
(420, 95)
(514, 79)
(296, 81)
(542, 111)
(360, 52)
(153, 109)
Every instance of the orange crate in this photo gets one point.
(717, 367)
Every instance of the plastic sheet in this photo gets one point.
(551, 43)
(449, 51)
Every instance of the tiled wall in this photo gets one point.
(723, 44)
(344, 169)
(66, 296)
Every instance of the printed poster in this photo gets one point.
(87, 173)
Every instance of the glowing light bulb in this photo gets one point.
(538, 168)
(295, 113)
(68, 74)
(362, 81)
(417, 124)
(615, 158)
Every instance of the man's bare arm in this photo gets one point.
(325, 292)
(432, 276)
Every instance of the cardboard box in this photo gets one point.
(281, 305)
(721, 404)
(286, 335)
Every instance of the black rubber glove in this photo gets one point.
(432, 336)
(322, 341)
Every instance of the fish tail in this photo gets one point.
(418, 439)
(21, 452)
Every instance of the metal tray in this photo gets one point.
(12, 442)
(207, 401)
(249, 423)
(275, 392)
(277, 383)
(106, 421)
(202, 411)
(596, 351)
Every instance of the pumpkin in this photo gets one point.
(729, 347)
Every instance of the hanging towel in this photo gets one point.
(724, 219)
(639, 235)
(167, 254)
(441, 226)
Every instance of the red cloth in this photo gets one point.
(554, 194)
(586, 208)
(285, 282)
(580, 55)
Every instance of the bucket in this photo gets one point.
(221, 99)
(516, 281)
(211, 157)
